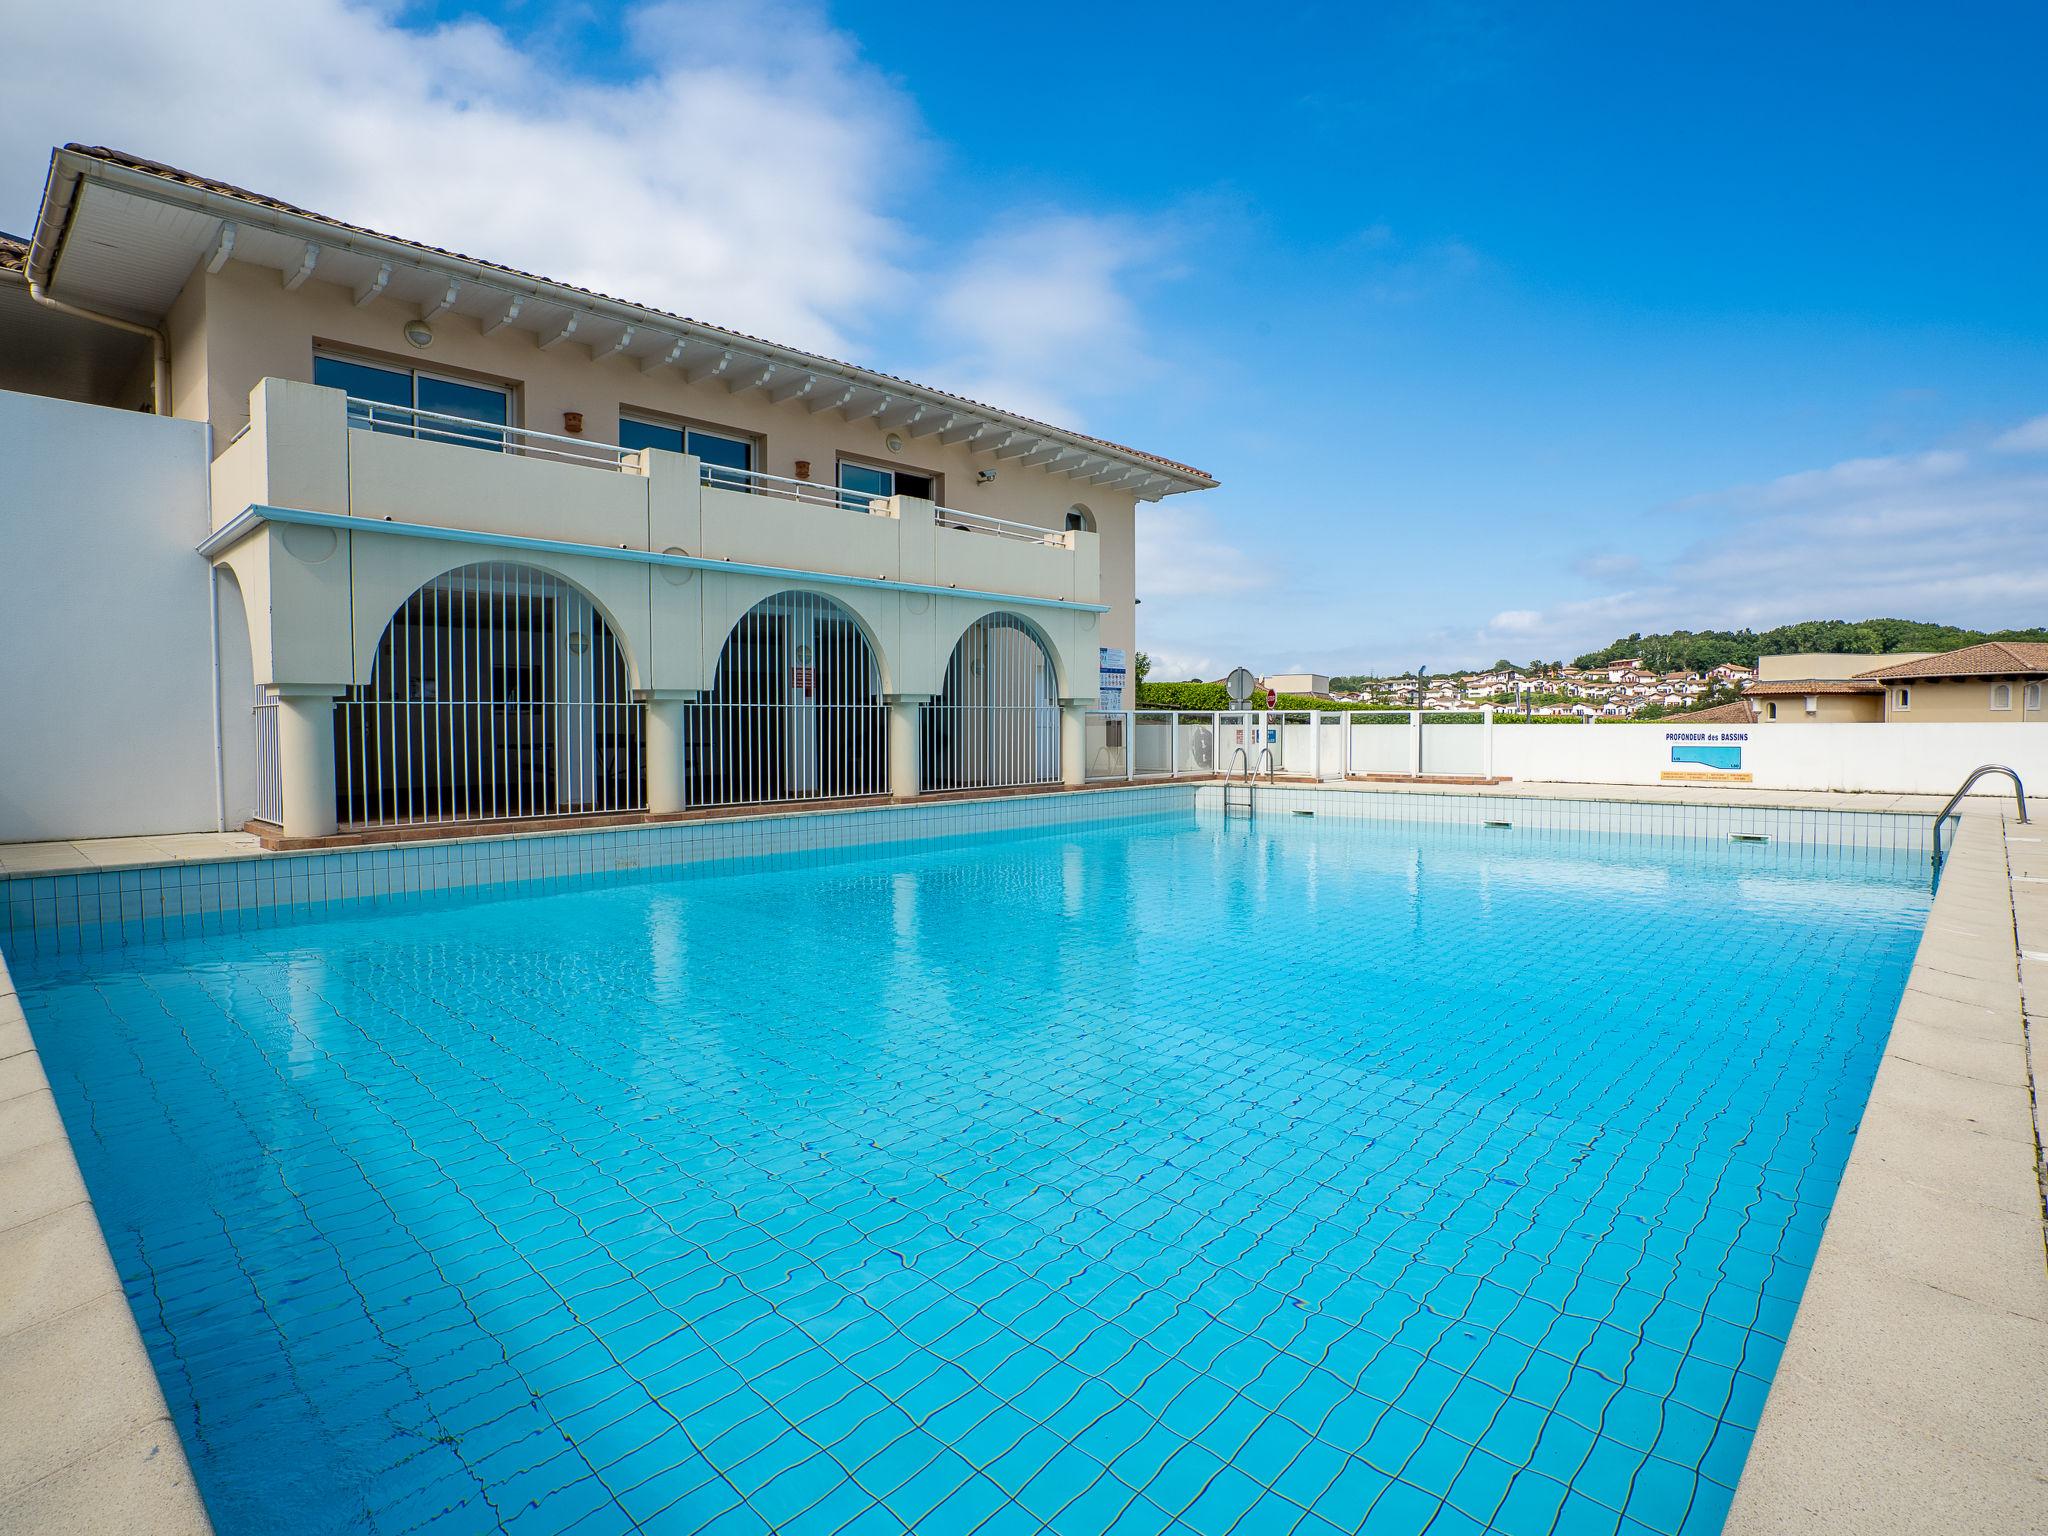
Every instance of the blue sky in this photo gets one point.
(1507, 329)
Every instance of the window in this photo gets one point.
(727, 458)
(868, 483)
(2033, 696)
(2001, 695)
(481, 407)
(1771, 710)
(1905, 698)
(1080, 519)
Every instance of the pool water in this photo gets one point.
(1291, 1176)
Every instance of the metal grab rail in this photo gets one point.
(2019, 794)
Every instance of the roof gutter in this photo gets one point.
(42, 255)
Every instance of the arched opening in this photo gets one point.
(996, 721)
(1080, 519)
(795, 710)
(497, 691)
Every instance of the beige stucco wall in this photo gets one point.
(230, 330)
(1827, 664)
(1935, 702)
(1830, 709)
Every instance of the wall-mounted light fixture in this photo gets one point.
(893, 443)
(419, 333)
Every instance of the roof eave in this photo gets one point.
(69, 166)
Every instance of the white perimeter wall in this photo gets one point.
(1901, 759)
(106, 709)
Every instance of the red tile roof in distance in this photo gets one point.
(1989, 658)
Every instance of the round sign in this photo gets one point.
(1240, 683)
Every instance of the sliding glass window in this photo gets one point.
(409, 403)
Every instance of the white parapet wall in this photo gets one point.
(1879, 758)
(106, 698)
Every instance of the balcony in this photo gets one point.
(315, 450)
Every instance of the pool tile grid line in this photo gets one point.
(89, 1442)
(1910, 1396)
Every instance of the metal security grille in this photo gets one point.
(996, 722)
(795, 710)
(498, 692)
(269, 771)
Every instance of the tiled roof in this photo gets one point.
(228, 189)
(1805, 685)
(1741, 712)
(13, 253)
(1990, 658)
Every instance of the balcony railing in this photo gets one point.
(1000, 527)
(490, 436)
(467, 432)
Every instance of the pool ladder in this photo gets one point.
(1232, 781)
(2019, 794)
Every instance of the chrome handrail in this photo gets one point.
(2019, 794)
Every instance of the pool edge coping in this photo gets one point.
(1908, 1397)
(91, 1442)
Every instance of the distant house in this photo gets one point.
(1991, 682)
(1298, 682)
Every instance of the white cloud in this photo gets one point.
(1951, 535)
(2027, 437)
(1039, 313)
(749, 169)
(1183, 554)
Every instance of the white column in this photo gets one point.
(1415, 741)
(666, 791)
(1486, 742)
(903, 744)
(305, 760)
(1074, 742)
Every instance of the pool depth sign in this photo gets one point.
(1705, 757)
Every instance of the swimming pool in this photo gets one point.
(1291, 1175)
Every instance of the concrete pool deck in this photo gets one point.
(1912, 1396)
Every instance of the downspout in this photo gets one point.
(160, 349)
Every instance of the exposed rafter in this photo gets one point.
(562, 332)
(926, 425)
(995, 441)
(295, 278)
(446, 302)
(504, 317)
(1018, 444)
(793, 388)
(751, 375)
(964, 431)
(375, 287)
(1047, 456)
(866, 412)
(223, 248)
(826, 400)
(901, 413)
(619, 344)
(659, 359)
(710, 368)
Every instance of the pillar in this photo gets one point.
(666, 793)
(305, 760)
(1074, 742)
(903, 744)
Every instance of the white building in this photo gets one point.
(412, 538)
